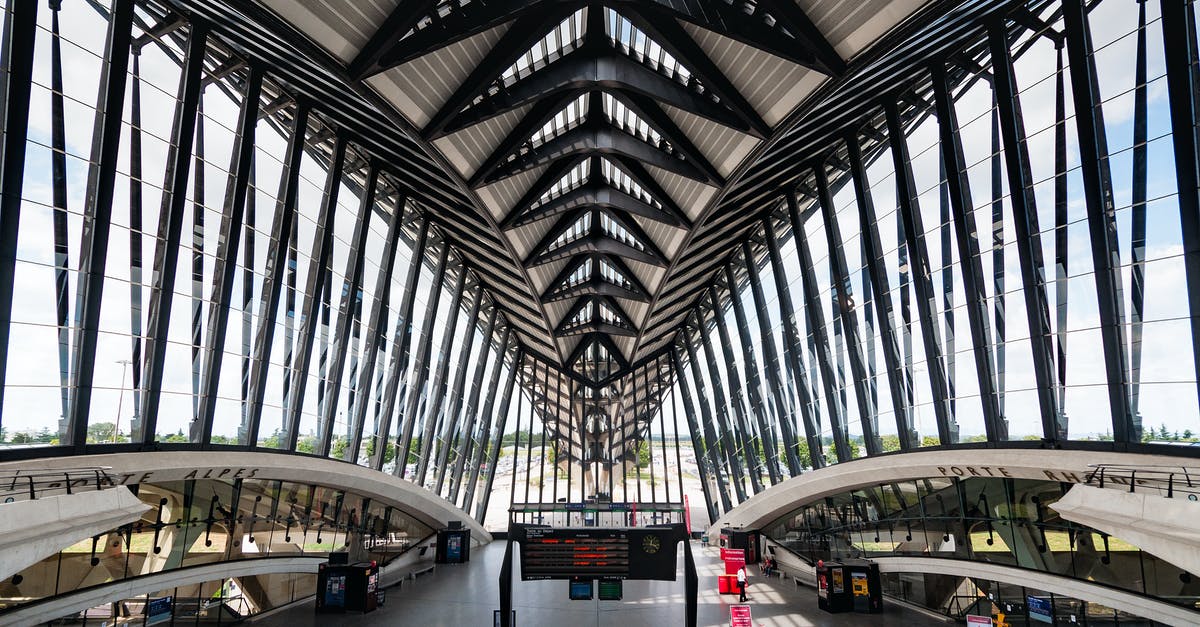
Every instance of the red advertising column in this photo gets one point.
(739, 616)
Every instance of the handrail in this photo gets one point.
(1164, 479)
(28, 484)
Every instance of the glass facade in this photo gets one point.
(204, 521)
(1010, 522)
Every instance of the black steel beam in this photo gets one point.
(521, 35)
(587, 195)
(753, 382)
(435, 395)
(467, 449)
(900, 385)
(843, 294)
(451, 420)
(314, 285)
(20, 30)
(402, 339)
(97, 211)
(820, 333)
(1025, 222)
(488, 419)
(721, 408)
(772, 366)
(415, 385)
(703, 447)
(1179, 44)
(348, 307)
(225, 262)
(737, 395)
(501, 424)
(573, 72)
(383, 42)
(914, 235)
(376, 328)
(967, 237)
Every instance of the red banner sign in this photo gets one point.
(739, 616)
(735, 559)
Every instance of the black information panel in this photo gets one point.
(597, 553)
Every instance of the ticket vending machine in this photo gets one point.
(347, 587)
(746, 539)
(849, 587)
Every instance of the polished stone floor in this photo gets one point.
(465, 596)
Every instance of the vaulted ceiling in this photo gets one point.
(596, 137)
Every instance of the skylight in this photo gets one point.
(610, 316)
(617, 178)
(571, 116)
(625, 119)
(582, 273)
(630, 39)
(569, 182)
(584, 315)
(618, 232)
(611, 274)
(555, 45)
(581, 227)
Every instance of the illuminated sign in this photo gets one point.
(595, 553)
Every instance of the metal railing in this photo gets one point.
(1166, 480)
(30, 484)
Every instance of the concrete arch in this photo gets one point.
(156, 466)
(1067, 466)
(56, 607)
(1135, 604)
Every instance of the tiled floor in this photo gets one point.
(465, 596)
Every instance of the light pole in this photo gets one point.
(120, 398)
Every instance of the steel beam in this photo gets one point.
(436, 395)
(772, 365)
(225, 262)
(914, 235)
(1025, 221)
(706, 471)
(97, 211)
(1179, 44)
(277, 255)
(377, 325)
(899, 381)
(721, 408)
(844, 298)
(753, 383)
(351, 293)
(401, 340)
(451, 420)
(415, 385)
(967, 237)
(20, 31)
(489, 418)
(318, 274)
(736, 393)
(791, 341)
(472, 407)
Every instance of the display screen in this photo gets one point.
(562, 553)
(605, 553)
(581, 590)
(610, 589)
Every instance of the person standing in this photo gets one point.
(741, 580)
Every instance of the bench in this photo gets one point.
(421, 569)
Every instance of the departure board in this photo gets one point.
(598, 553)
(560, 553)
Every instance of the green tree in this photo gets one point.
(643, 454)
(931, 440)
(307, 444)
(176, 437)
(890, 442)
(1187, 435)
(389, 452)
(340, 444)
(22, 437)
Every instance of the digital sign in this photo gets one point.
(611, 589)
(598, 553)
(581, 590)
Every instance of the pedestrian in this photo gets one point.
(741, 575)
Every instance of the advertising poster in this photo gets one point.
(838, 584)
(979, 621)
(739, 616)
(734, 560)
(822, 586)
